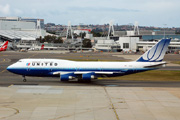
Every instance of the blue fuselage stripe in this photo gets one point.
(49, 71)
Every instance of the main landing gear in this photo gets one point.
(24, 78)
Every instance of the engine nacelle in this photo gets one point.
(164, 65)
(88, 76)
(66, 77)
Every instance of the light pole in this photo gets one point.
(81, 32)
(14, 36)
(164, 30)
(81, 41)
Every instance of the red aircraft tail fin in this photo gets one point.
(42, 47)
(4, 46)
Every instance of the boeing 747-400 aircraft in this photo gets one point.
(86, 71)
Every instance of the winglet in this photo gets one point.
(156, 53)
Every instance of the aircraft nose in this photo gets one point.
(9, 68)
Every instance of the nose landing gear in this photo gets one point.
(24, 78)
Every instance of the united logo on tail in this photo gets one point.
(156, 53)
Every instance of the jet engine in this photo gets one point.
(66, 77)
(88, 76)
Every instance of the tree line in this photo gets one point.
(54, 39)
(50, 39)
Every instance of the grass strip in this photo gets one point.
(155, 75)
(176, 62)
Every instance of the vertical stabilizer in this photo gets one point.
(42, 47)
(4, 46)
(156, 53)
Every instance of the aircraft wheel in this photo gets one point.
(24, 80)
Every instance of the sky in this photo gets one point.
(158, 13)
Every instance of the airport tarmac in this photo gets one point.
(49, 99)
(30, 102)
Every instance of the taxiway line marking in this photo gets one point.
(112, 105)
(16, 112)
(3, 71)
(3, 60)
(10, 85)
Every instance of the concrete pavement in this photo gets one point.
(28, 102)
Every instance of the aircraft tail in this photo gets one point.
(156, 53)
(4, 46)
(42, 47)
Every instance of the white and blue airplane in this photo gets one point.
(86, 71)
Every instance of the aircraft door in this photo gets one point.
(100, 69)
(50, 66)
(28, 67)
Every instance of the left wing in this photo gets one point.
(80, 73)
(85, 75)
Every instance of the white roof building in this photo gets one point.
(20, 30)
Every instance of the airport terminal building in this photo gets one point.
(22, 31)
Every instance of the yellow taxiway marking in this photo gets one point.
(112, 105)
(16, 111)
(3, 60)
(3, 71)
(10, 85)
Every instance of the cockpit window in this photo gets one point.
(19, 61)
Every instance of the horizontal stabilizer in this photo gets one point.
(156, 65)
